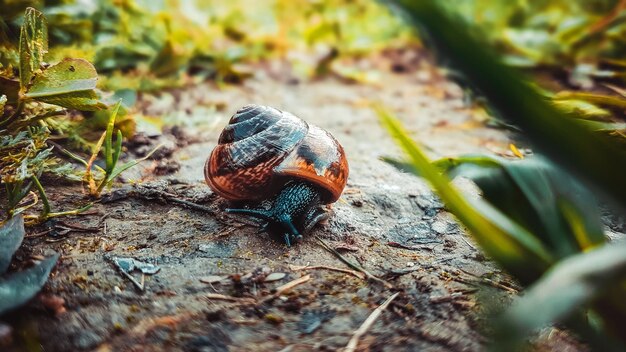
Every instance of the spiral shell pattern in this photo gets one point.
(262, 148)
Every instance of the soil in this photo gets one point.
(387, 221)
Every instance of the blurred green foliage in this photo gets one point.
(535, 220)
(571, 45)
(554, 33)
(33, 100)
(156, 40)
(33, 94)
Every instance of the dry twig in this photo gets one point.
(286, 287)
(413, 248)
(354, 341)
(230, 298)
(352, 265)
(359, 275)
(244, 300)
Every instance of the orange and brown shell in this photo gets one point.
(262, 148)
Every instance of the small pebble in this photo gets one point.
(275, 277)
(410, 264)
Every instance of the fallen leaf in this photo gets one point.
(11, 236)
(19, 288)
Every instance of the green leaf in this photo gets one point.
(509, 244)
(86, 100)
(69, 75)
(452, 165)
(130, 164)
(572, 284)
(70, 84)
(117, 149)
(401, 165)
(11, 236)
(33, 45)
(110, 161)
(20, 287)
(540, 197)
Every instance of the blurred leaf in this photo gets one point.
(509, 244)
(597, 99)
(536, 195)
(604, 126)
(33, 44)
(589, 154)
(111, 155)
(11, 236)
(70, 84)
(12, 9)
(401, 165)
(127, 96)
(582, 109)
(20, 287)
(451, 165)
(170, 59)
(564, 290)
(86, 100)
(130, 164)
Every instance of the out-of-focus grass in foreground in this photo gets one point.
(535, 221)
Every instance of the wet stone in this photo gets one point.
(440, 227)
(311, 320)
(85, 339)
(445, 225)
(410, 232)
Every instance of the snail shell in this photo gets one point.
(263, 148)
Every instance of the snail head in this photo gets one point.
(293, 212)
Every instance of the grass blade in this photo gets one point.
(130, 164)
(108, 140)
(508, 243)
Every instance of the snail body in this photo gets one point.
(270, 156)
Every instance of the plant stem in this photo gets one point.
(44, 199)
(70, 212)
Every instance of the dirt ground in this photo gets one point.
(439, 273)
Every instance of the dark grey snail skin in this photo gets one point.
(271, 157)
(295, 210)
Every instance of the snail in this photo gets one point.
(271, 157)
